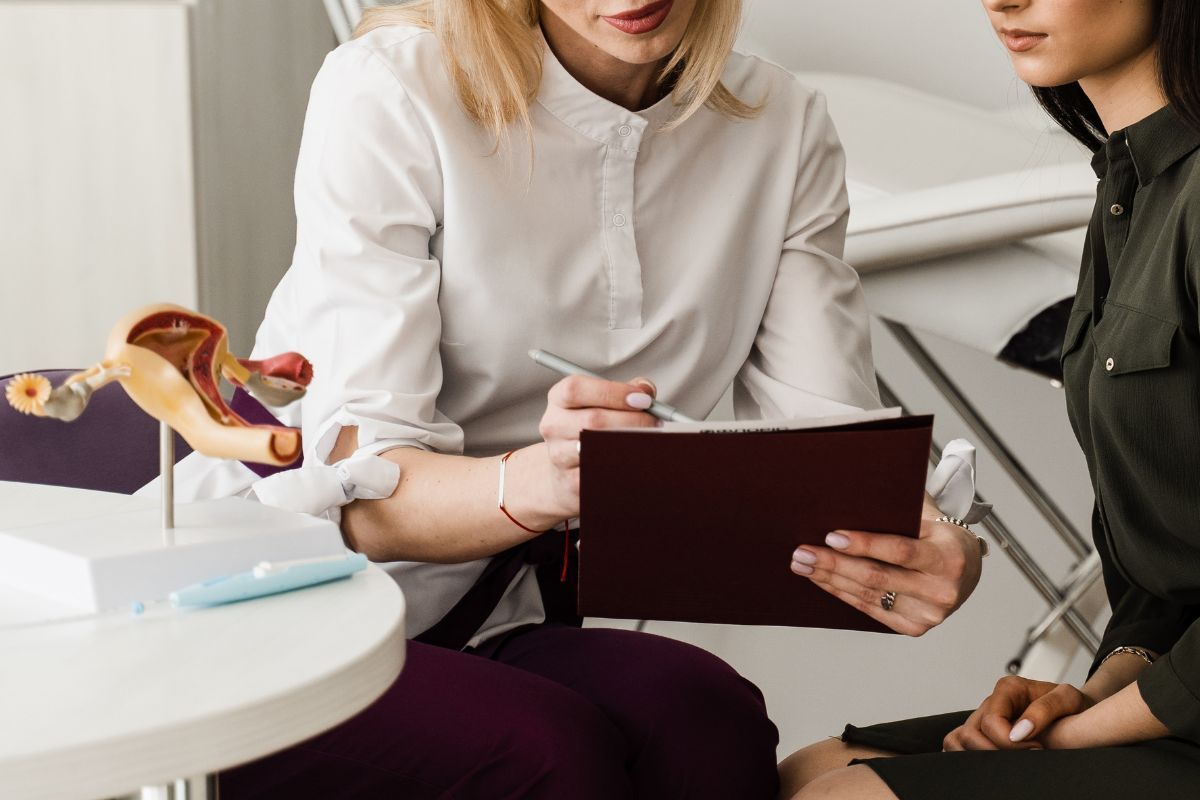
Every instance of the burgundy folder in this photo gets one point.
(700, 527)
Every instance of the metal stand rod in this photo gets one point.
(988, 438)
(1024, 563)
(1040, 580)
(197, 787)
(1081, 579)
(166, 469)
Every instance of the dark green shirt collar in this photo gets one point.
(1156, 143)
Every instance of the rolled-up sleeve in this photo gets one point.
(812, 353)
(362, 295)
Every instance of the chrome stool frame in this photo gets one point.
(1062, 599)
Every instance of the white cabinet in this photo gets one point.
(147, 149)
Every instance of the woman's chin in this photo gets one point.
(639, 52)
(1041, 75)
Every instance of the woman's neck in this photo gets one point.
(1126, 93)
(632, 86)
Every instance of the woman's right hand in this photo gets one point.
(576, 403)
(1020, 708)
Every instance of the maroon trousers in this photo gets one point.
(552, 712)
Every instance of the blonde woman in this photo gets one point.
(604, 179)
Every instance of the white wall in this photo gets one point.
(943, 46)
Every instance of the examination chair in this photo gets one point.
(970, 226)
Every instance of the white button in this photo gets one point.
(624, 130)
(619, 220)
(1117, 209)
(1108, 365)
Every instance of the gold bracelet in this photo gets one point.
(1144, 655)
(984, 548)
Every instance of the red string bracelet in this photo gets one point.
(500, 502)
(562, 578)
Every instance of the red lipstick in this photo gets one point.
(641, 20)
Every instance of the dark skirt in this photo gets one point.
(1162, 768)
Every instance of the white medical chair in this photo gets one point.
(968, 225)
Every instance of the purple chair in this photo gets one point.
(112, 447)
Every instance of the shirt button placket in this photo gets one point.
(624, 267)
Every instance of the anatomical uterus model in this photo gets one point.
(168, 360)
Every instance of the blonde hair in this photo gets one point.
(491, 54)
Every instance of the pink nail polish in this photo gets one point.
(804, 556)
(1020, 730)
(801, 569)
(639, 400)
(837, 541)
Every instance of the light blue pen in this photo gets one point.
(269, 578)
(564, 367)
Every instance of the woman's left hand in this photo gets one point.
(931, 575)
(1016, 715)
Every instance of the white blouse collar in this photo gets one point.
(589, 113)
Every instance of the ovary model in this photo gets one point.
(168, 359)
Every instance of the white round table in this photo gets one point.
(99, 706)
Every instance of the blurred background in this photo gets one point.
(146, 155)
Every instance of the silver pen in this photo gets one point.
(564, 367)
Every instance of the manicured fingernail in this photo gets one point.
(1020, 730)
(801, 569)
(804, 556)
(837, 541)
(639, 400)
(579, 447)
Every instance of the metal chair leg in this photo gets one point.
(949, 390)
(1081, 579)
(1021, 558)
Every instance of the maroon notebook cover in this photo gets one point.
(700, 527)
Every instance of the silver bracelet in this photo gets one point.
(984, 548)
(1144, 655)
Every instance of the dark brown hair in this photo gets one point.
(1178, 39)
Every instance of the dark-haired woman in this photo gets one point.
(1126, 82)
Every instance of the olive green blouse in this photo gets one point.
(1131, 361)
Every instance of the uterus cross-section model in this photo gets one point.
(169, 360)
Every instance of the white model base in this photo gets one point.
(102, 561)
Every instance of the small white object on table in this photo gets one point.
(100, 705)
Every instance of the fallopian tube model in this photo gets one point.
(167, 359)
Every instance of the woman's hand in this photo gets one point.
(931, 575)
(578, 402)
(1017, 713)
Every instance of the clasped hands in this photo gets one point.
(1023, 714)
